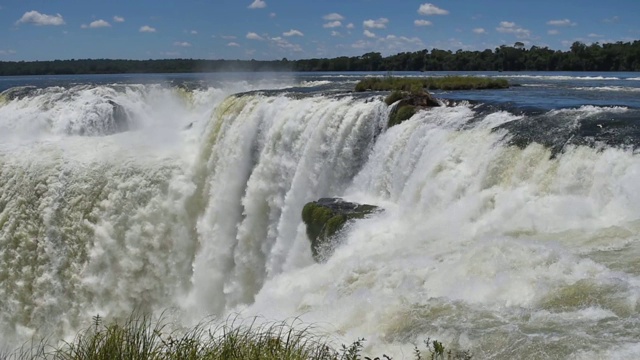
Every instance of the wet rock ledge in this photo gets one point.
(326, 217)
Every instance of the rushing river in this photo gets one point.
(511, 222)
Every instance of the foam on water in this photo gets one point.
(608, 88)
(563, 77)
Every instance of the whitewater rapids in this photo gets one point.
(511, 252)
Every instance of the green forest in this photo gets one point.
(619, 56)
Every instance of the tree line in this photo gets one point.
(619, 56)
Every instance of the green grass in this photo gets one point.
(403, 113)
(141, 338)
(414, 85)
(394, 96)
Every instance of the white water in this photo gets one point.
(500, 250)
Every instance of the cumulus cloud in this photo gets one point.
(430, 9)
(118, 19)
(479, 31)
(233, 44)
(258, 4)
(375, 24)
(389, 44)
(147, 29)
(254, 36)
(97, 24)
(422, 23)
(507, 27)
(336, 33)
(332, 24)
(182, 44)
(36, 18)
(293, 32)
(561, 22)
(285, 45)
(350, 26)
(369, 34)
(553, 32)
(333, 17)
(611, 20)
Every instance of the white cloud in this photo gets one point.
(333, 17)
(118, 19)
(272, 15)
(258, 4)
(553, 32)
(147, 29)
(253, 36)
(293, 32)
(233, 44)
(369, 34)
(479, 31)
(336, 33)
(97, 24)
(592, 35)
(562, 22)
(360, 44)
(7, 52)
(391, 44)
(182, 44)
(350, 26)
(507, 27)
(430, 9)
(36, 18)
(285, 45)
(611, 20)
(376, 24)
(193, 32)
(332, 24)
(422, 22)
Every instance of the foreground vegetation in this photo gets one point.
(619, 56)
(140, 338)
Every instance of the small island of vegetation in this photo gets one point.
(411, 93)
(431, 83)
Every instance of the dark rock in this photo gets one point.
(18, 92)
(408, 104)
(422, 100)
(120, 119)
(326, 217)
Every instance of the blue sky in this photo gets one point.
(295, 29)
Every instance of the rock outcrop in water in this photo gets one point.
(408, 104)
(18, 92)
(102, 121)
(120, 118)
(326, 217)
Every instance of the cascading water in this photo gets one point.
(488, 241)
